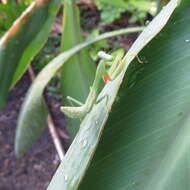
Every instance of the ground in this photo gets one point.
(36, 168)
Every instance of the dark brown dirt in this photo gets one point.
(35, 169)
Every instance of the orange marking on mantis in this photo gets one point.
(106, 78)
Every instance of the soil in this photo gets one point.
(35, 169)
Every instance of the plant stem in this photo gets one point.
(55, 137)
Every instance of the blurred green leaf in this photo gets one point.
(111, 165)
(23, 41)
(78, 73)
(8, 14)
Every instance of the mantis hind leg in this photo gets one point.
(72, 100)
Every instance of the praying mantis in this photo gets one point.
(115, 65)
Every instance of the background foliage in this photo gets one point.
(112, 10)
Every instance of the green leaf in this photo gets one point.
(107, 174)
(33, 114)
(146, 142)
(78, 73)
(9, 13)
(23, 41)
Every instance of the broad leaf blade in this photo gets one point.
(146, 142)
(32, 118)
(78, 157)
(79, 71)
(23, 41)
(39, 40)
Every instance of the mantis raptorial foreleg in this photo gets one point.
(111, 61)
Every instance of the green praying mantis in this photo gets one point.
(108, 69)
